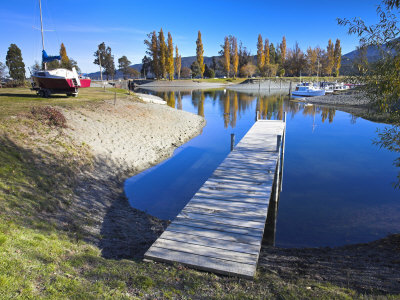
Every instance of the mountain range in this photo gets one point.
(346, 68)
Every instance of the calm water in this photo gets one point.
(337, 185)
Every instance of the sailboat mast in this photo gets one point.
(41, 28)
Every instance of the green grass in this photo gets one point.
(14, 101)
(39, 260)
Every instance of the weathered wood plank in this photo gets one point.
(221, 228)
(216, 235)
(241, 215)
(218, 227)
(223, 220)
(207, 251)
(221, 266)
(206, 241)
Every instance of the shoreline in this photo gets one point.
(100, 208)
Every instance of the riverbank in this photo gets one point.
(67, 230)
(353, 102)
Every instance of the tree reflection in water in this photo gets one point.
(389, 138)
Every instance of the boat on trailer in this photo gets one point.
(58, 81)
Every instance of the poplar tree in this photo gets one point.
(227, 58)
(312, 57)
(162, 53)
(152, 51)
(272, 54)
(178, 62)
(260, 53)
(200, 54)
(266, 52)
(65, 62)
(283, 50)
(235, 56)
(338, 57)
(15, 64)
(170, 58)
(330, 59)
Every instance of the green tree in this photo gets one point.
(100, 56)
(152, 50)
(170, 58)
(208, 72)
(146, 66)
(162, 54)
(123, 65)
(244, 56)
(15, 64)
(260, 53)
(337, 57)
(200, 54)
(194, 67)
(178, 63)
(272, 54)
(3, 73)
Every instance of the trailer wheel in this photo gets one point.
(75, 94)
(40, 93)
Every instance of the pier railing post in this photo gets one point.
(278, 142)
(257, 115)
(283, 150)
(232, 141)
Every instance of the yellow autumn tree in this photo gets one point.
(170, 58)
(65, 63)
(162, 53)
(260, 53)
(178, 63)
(200, 54)
(330, 58)
(235, 56)
(337, 57)
(227, 58)
(283, 49)
(266, 51)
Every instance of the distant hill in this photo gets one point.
(186, 62)
(346, 68)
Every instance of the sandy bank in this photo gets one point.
(130, 134)
(124, 139)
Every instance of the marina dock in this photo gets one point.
(221, 228)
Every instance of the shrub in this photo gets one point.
(49, 115)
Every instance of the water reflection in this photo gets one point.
(232, 104)
(337, 186)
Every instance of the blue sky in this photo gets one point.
(123, 25)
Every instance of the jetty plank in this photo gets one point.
(222, 226)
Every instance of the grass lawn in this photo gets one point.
(38, 166)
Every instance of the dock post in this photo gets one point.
(270, 85)
(278, 168)
(257, 115)
(232, 141)
(290, 89)
(115, 98)
(283, 151)
(278, 142)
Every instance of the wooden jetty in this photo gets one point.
(221, 228)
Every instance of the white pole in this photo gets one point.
(41, 28)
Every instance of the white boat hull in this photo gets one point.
(309, 93)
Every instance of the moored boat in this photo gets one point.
(307, 90)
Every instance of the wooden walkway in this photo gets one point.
(221, 228)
